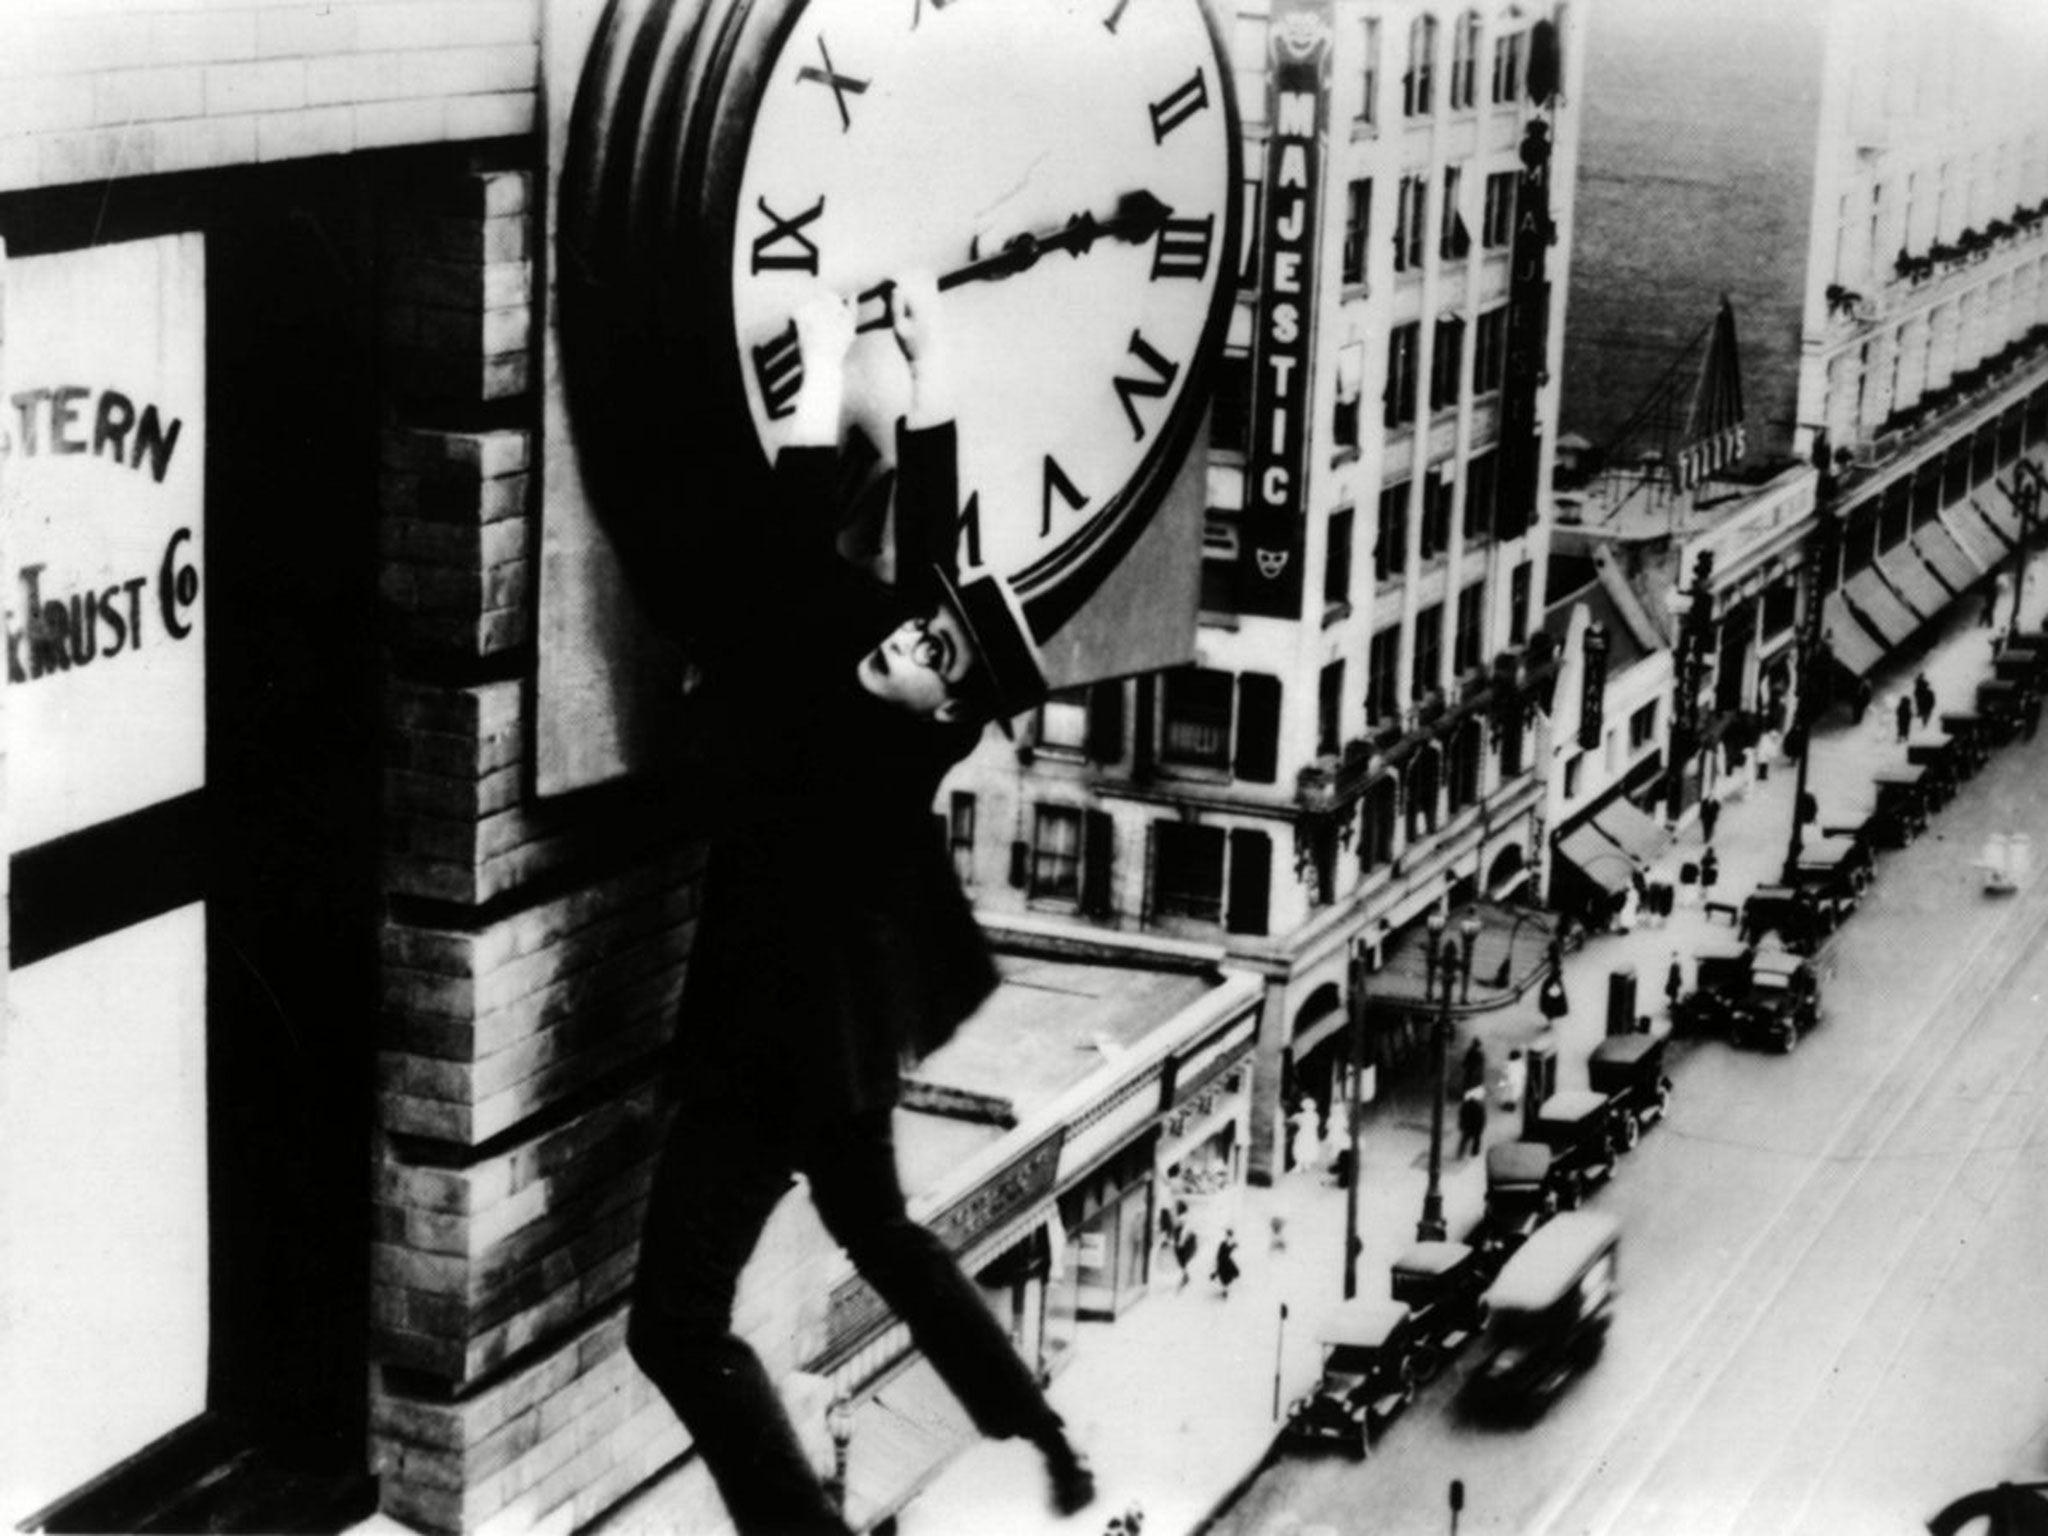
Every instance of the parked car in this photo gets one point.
(1521, 1194)
(1547, 1312)
(1837, 870)
(1440, 1283)
(1629, 1069)
(1368, 1377)
(1792, 912)
(1753, 994)
(1579, 1126)
(1901, 813)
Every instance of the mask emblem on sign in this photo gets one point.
(1271, 562)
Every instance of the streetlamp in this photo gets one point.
(1468, 927)
(1819, 578)
(839, 1424)
(2025, 496)
(1351, 1169)
(1693, 610)
(1441, 958)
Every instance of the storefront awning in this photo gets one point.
(1975, 537)
(1951, 562)
(1599, 860)
(902, 1438)
(1853, 648)
(1510, 955)
(2000, 514)
(1633, 831)
(1908, 576)
(1874, 603)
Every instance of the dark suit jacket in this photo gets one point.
(834, 940)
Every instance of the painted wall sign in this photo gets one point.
(102, 488)
(1283, 361)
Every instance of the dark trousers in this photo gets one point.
(724, 1171)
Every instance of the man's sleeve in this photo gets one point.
(927, 509)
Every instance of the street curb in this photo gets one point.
(1229, 1497)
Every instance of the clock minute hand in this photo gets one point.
(1138, 217)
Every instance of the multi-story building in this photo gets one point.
(1353, 738)
(1903, 319)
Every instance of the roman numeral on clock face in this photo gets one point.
(1178, 105)
(1115, 18)
(784, 247)
(1057, 483)
(1130, 391)
(779, 372)
(1182, 248)
(842, 85)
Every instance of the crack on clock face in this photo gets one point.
(995, 205)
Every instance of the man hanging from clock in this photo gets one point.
(834, 940)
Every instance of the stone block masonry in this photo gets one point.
(533, 949)
(89, 93)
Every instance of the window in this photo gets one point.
(1230, 416)
(1520, 581)
(1471, 626)
(1447, 346)
(1369, 78)
(1490, 351)
(1572, 766)
(1479, 489)
(1383, 676)
(1390, 550)
(1329, 707)
(960, 835)
(1187, 871)
(1894, 522)
(1642, 727)
(1467, 753)
(1436, 511)
(1507, 67)
(1063, 721)
(1337, 560)
(1410, 208)
(1195, 731)
(1404, 344)
(1418, 86)
(1497, 229)
(1454, 240)
(1465, 62)
(1357, 227)
(1429, 649)
(1780, 605)
(1350, 375)
(1376, 822)
(1056, 853)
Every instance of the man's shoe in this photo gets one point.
(1073, 1480)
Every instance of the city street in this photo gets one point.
(1829, 1317)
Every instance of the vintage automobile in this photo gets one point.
(1629, 1069)
(1754, 994)
(1581, 1128)
(1368, 1377)
(1901, 813)
(1547, 1313)
(1793, 912)
(1440, 1283)
(1521, 1194)
(1837, 870)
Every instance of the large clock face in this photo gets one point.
(1067, 168)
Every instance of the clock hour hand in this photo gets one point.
(1137, 218)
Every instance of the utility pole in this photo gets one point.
(1352, 1171)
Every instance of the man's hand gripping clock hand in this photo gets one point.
(916, 319)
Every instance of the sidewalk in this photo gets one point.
(1174, 1402)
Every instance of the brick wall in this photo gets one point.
(533, 949)
(92, 91)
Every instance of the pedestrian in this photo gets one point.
(1923, 697)
(1185, 1247)
(1514, 1082)
(1905, 716)
(1305, 1139)
(1626, 910)
(1989, 615)
(791, 1031)
(1471, 1122)
(1674, 982)
(1710, 813)
(1225, 1270)
(1859, 701)
(1475, 1065)
(1710, 873)
(1276, 1233)
(2030, 711)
